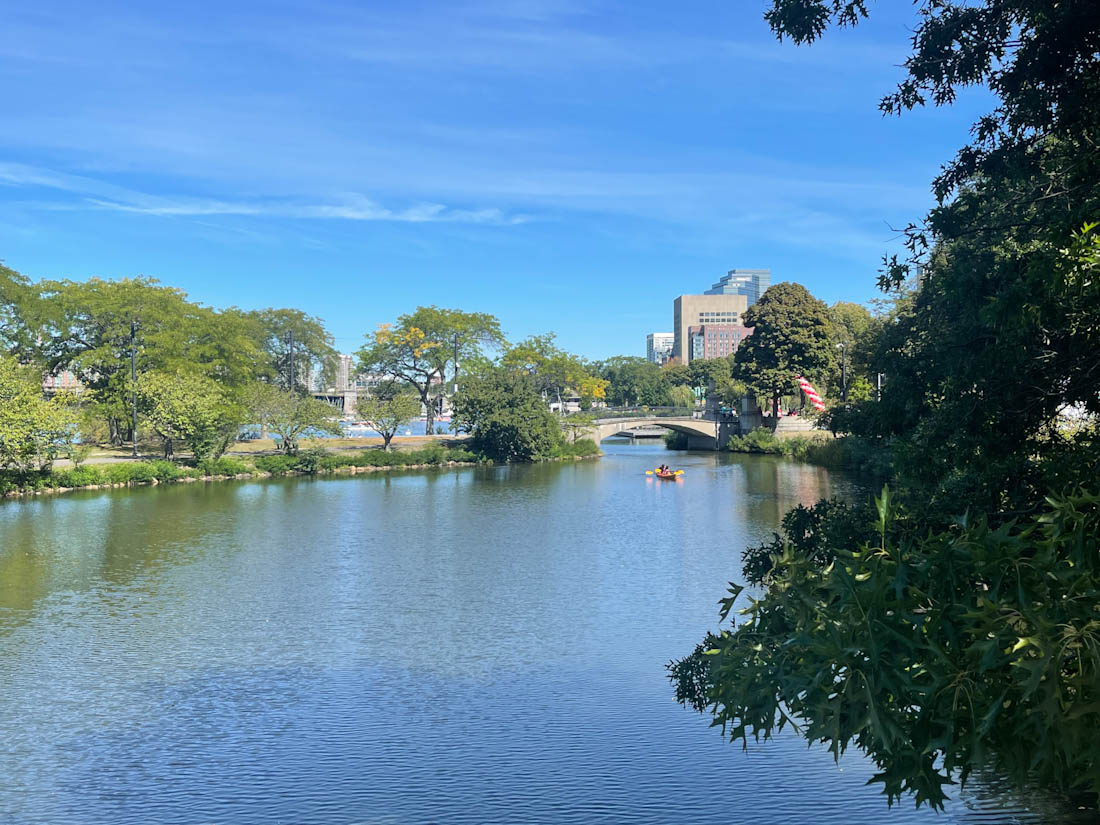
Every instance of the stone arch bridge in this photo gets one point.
(701, 432)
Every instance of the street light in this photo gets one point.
(843, 347)
(133, 380)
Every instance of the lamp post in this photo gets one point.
(133, 379)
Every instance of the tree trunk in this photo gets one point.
(429, 410)
(386, 439)
(167, 448)
(114, 436)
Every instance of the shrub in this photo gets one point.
(580, 449)
(129, 472)
(676, 440)
(760, 440)
(77, 477)
(277, 464)
(225, 466)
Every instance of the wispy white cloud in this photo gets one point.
(96, 194)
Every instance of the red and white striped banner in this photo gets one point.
(811, 393)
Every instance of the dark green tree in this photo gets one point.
(791, 337)
(506, 415)
(965, 632)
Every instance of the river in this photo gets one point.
(460, 646)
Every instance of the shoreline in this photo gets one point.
(258, 474)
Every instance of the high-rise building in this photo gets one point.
(751, 283)
(658, 347)
(716, 340)
(723, 309)
(345, 371)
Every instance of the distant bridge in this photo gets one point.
(701, 432)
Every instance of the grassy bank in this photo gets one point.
(307, 462)
(847, 453)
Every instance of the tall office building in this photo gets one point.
(658, 347)
(748, 282)
(723, 310)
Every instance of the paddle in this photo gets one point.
(654, 472)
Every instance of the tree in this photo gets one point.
(855, 334)
(678, 375)
(682, 396)
(387, 415)
(33, 431)
(507, 416)
(420, 347)
(91, 327)
(633, 382)
(790, 338)
(554, 371)
(188, 408)
(705, 372)
(290, 415)
(964, 631)
(18, 314)
(280, 331)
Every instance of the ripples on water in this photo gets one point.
(481, 645)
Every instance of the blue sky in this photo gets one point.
(569, 166)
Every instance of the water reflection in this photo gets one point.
(465, 645)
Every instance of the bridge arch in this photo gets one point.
(700, 432)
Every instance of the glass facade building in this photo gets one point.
(751, 283)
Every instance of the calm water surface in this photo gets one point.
(472, 645)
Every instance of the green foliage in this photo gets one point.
(675, 440)
(289, 415)
(223, 466)
(85, 327)
(420, 347)
(507, 417)
(555, 372)
(634, 382)
(77, 477)
(33, 431)
(932, 652)
(760, 440)
(791, 337)
(277, 464)
(276, 330)
(819, 533)
(387, 415)
(189, 408)
(945, 643)
(581, 448)
(681, 396)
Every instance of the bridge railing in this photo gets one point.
(644, 412)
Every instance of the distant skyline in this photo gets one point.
(568, 166)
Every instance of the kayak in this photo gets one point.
(666, 476)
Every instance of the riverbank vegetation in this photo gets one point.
(953, 625)
(306, 462)
(867, 459)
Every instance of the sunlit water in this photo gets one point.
(468, 646)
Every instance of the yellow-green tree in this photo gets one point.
(422, 347)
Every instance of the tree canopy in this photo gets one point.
(420, 347)
(956, 626)
(791, 337)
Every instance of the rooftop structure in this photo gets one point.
(751, 283)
